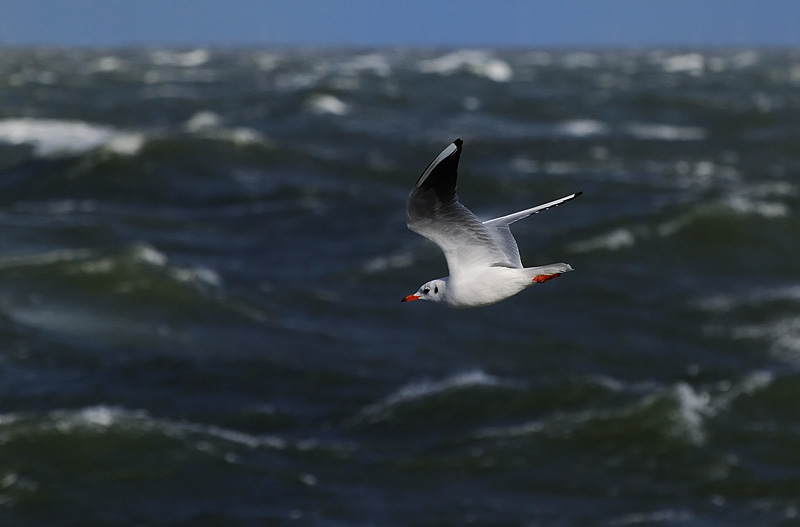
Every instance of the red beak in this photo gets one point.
(409, 298)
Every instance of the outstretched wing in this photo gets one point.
(433, 211)
(501, 233)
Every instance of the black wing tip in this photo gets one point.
(577, 194)
(458, 142)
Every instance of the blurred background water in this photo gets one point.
(203, 253)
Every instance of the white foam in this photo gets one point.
(150, 255)
(203, 120)
(620, 238)
(722, 303)
(267, 61)
(380, 264)
(658, 517)
(107, 64)
(782, 336)
(210, 125)
(373, 62)
(745, 59)
(767, 209)
(197, 275)
(665, 132)
(427, 388)
(44, 258)
(582, 128)
(186, 59)
(53, 137)
(102, 417)
(581, 59)
(327, 104)
(692, 63)
(125, 144)
(478, 62)
(693, 408)
(99, 416)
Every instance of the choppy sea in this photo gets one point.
(203, 252)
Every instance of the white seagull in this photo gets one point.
(482, 257)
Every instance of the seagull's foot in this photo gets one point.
(544, 277)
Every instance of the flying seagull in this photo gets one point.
(482, 257)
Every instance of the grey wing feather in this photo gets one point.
(500, 229)
(433, 211)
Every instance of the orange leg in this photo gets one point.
(545, 277)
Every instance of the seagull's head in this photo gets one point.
(433, 291)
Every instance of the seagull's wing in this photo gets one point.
(501, 233)
(433, 211)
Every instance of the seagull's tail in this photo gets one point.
(547, 272)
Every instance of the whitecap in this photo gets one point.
(185, 59)
(665, 132)
(150, 255)
(380, 264)
(267, 61)
(745, 59)
(106, 64)
(747, 205)
(692, 63)
(478, 62)
(620, 238)
(782, 336)
(125, 144)
(210, 125)
(722, 303)
(660, 517)
(373, 62)
(44, 258)
(581, 59)
(327, 104)
(693, 408)
(582, 128)
(203, 120)
(52, 137)
(428, 388)
(202, 275)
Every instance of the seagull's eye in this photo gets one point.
(426, 291)
(436, 289)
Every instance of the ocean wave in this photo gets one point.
(781, 336)
(724, 302)
(102, 419)
(691, 63)
(327, 104)
(379, 264)
(679, 411)
(210, 125)
(477, 62)
(376, 63)
(55, 137)
(665, 132)
(615, 240)
(103, 294)
(181, 59)
(582, 128)
(420, 391)
(657, 517)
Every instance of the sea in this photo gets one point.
(203, 253)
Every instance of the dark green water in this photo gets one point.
(203, 252)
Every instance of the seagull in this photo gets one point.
(482, 257)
